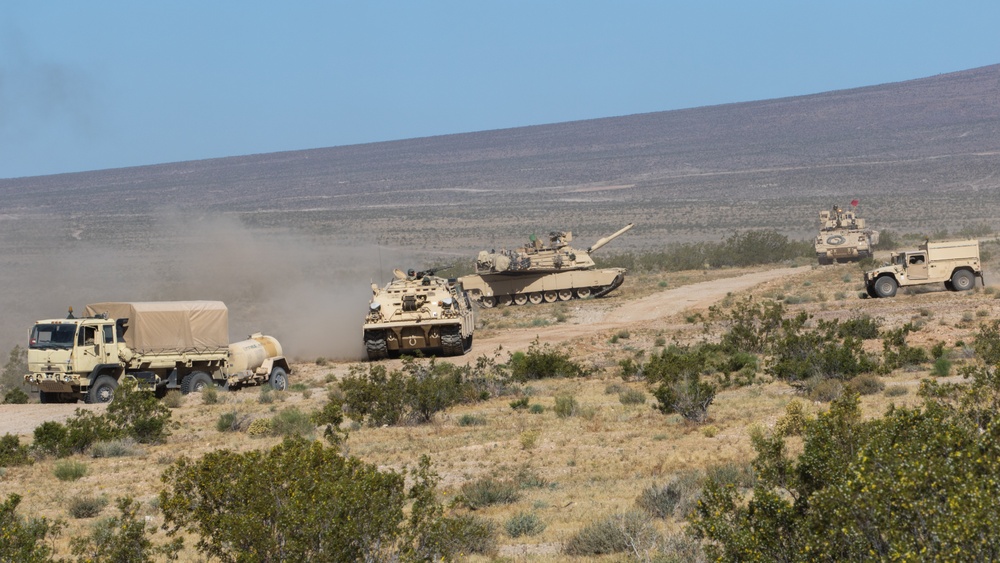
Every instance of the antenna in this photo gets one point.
(379, 247)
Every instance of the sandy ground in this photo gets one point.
(588, 321)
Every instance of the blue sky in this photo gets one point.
(93, 85)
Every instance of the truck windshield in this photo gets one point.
(52, 336)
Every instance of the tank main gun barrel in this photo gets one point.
(610, 237)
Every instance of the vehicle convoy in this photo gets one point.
(167, 345)
(536, 273)
(843, 236)
(418, 311)
(956, 263)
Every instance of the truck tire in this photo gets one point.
(102, 390)
(278, 379)
(195, 382)
(885, 286)
(962, 280)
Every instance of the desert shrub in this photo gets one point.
(798, 354)
(631, 397)
(50, 439)
(85, 506)
(895, 391)
(749, 325)
(15, 396)
(629, 532)
(866, 384)
(14, 370)
(173, 399)
(415, 394)
(13, 453)
(541, 361)
(521, 403)
(740, 475)
(259, 427)
(488, 492)
(69, 470)
(536, 409)
(825, 390)
(659, 501)
(528, 439)
(566, 406)
(689, 397)
(472, 420)
(123, 538)
(136, 413)
(862, 327)
(896, 353)
(523, 524)
(465, 533)
(319, 503)
(233, 421)
(938, 350)
(83, 429)
(292, 422)
(793, 422)
(942, 367)
(210, 395)
(987, 343)
(615, 388)
(125, 447)
(26, 540)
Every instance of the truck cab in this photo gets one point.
(66, 355)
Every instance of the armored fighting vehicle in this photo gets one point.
(418, 311)
(535, 272)
(843, 236)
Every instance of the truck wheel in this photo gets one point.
(102, 390)
(196, 382)
(278, 380)
(962, 280)
(870, 289)
(885, 286)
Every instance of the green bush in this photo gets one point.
(25, 539)
(123, 538)
(472, 420)
(125, 447)
(629, 532)
(414, 394)
(232, 421)
(51, 439)
(536, 409)
(540, 362)
(318, 503)
(523, 524)
(488, 492)
(659, 501)
(566, 406)
(210, 395)
(942, 367)
(631, 397)
(86, 506)
(136, 413)
(292, 422)
(15, 368)
(12, 453)
(465, 533)
(69, 470)
(521, 403)
(15, 396)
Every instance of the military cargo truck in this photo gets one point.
(418, 311)
(843, 236)
(954, 263)
(167, 345)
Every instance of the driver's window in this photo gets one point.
(87, 336)
(918, 259)
(109, 335)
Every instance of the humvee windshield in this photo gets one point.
(52, 336)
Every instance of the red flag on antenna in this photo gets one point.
(854, 203)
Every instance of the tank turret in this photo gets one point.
(539, 272)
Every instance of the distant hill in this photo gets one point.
(936, 138)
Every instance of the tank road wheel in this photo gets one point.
(583, 292)
(278, 379)
(488, 301)
(962, 280)
(550, 296)
(885, 286)
(451, 341)
(520, 299)
(503, 299)
(375, 345)
(196, 382)
(535, 298)
(102, 390)
(565, 295)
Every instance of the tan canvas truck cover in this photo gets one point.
(170, 326)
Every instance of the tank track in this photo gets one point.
(376, 346)
(451, 341)
(619, 279)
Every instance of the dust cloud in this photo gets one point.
(309, 293)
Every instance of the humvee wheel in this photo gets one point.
(583, 292)
(550, 296)
(488, 301)
(520, 299)
(885, 286)
(870, 290)
(962, 280)
(535, 298)
(565, 295)
(102, 390)
(503, 299)
(195, 382)
(278, 379)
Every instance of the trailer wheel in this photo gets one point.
(962, 280)
(102, 390)
(278, 380)
(885, 286)
(196, 382)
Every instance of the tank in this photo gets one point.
(537, 272)
(418, 311)
(843, 236)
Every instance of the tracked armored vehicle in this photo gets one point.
(843, 236)
(418, 311)
(535, 273)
